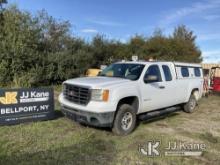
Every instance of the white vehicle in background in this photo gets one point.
(124, 90)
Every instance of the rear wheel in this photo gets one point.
(190, 106)
(125, 120)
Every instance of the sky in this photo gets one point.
(121, 19)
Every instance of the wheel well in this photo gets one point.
(195, 90)
(131, 100)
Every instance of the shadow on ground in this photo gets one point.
(58, 114)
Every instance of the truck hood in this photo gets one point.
(97, 82)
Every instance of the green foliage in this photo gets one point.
(40, 50)
(3, 1)
(1, 13)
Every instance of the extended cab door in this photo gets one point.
(172, 88)
(155, 90)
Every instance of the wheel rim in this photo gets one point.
(192, 104)
(126, 121)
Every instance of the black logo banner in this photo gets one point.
(25, 105)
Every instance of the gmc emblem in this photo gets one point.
(71, 93)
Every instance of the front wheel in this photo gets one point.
(125, 120)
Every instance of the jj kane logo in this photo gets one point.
(174, 148)
(9, 98)
(150, 149)
(34, 96)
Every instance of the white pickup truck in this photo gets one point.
(124, 90)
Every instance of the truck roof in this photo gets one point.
(163, 62)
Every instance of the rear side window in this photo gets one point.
(197, 72)
(167, 73)
(184, 71)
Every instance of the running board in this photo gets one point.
(156, 113)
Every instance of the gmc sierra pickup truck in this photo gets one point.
(124, 90)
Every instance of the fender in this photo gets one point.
(120, 93)
(190, 90)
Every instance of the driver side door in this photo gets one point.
(153, 89)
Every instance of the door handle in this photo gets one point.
(161, 87)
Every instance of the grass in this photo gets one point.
(62, 141)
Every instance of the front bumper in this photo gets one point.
(89, 118)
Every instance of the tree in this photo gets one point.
(35, 50)
(184, 46)
(182, 33)
(1, 12)
(40, 50)
(18, 45)
(156, 46)
(100, 50)
(136, 46)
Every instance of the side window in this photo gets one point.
(184, 71)
(197, 72)
(167, 73)
(152, 74)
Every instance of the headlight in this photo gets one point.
(100, 95)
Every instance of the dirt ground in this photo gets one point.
(62, 141)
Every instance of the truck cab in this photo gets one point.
(124, 90)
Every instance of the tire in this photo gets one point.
(190, 106)
(125, 120)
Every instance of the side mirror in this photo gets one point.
(150, 79)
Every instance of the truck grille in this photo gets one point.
(77, 94)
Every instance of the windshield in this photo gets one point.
(128, 71)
